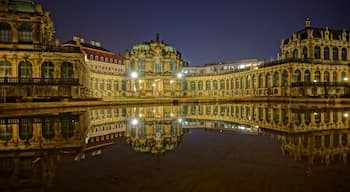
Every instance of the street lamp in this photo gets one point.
(179, 77)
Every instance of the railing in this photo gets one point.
(38, 81)
(320, 84)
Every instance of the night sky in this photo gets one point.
(203, 31)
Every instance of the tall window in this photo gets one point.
(307, 76)
(25, 33)
(335, 53)
(295, 54)
(297, 76)
(47, 127)
(254, 81)
(287, 55)
(173, 68)
(132, 65)
(25, 69)
(222, 84)
(200, 85)
(5, 33)
(305, 55)
(344, 77)
(123, 85)
(116, 85)
(317, 76)
(284, 78)
(215, 85)
(268, 80)
(317, 52)
(193, 85)
(47, 70)
(343, 54)
(184, 85)
(109, 85)
(335, 76)
(207, 85)
(326, 76)
(66, 70)
(142, 65)
(157, 65)
(5, 69)
(102, 84)
(261, 81)
(276, 79)
(326, 53)
(25, 129)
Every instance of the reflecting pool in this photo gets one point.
(184, 147)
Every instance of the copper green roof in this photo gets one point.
(25, 6)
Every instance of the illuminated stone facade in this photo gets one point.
(104, 70)
(31, 66)
(153, 69)
(313, 62)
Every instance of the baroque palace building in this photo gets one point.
(31, 66)
(312, 62)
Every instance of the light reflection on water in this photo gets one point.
(187, 147)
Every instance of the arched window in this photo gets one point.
(184, 85)
(305, 53)
(200, 85)
(47, 70)
(335, 53)
(344, 77)
(25, 33)
(193, 85)
(276, 79)
(173, 67)
(268, 80)
(297, 76)
(5, 69)
(335, 76)
(207, 85)
(237, 83)
(295, 54)
(344, 54)
(142, 65)
(47, 127)
(132, 65)
(307, 76)
(222, 84)
(66, 70)
(261, 81)
(326, 53)
(215, 85)
(254, 82)
(317, 53)
(285, 78)
(157, 65)
(317, 76)
(287, 55)
(25, 69)
(326, 76)
(5, 33)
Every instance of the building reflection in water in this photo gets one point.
(30, 146)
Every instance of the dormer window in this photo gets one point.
(25, 33)
(5, 33)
